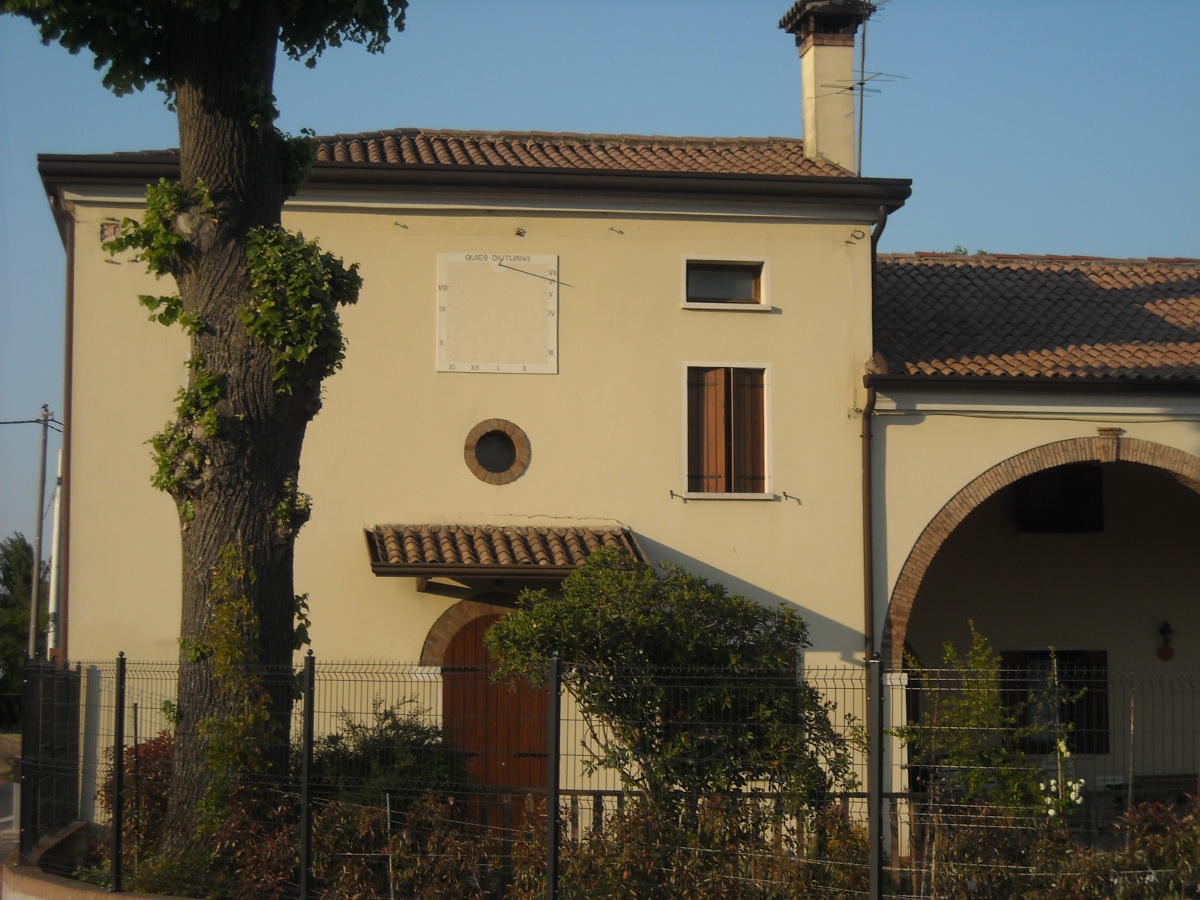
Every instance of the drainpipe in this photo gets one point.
(868, 524)
(875, 771)
(868, 519)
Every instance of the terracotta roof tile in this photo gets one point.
(539, 150)
(1039, 316)
(478, 550)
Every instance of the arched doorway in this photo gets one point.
(499, 729)
(1143, 479)
(1069, 558)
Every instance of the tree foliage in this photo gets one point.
(132, 42)
(685, 687)
(296, 290)
(968, 739)
(16, 567)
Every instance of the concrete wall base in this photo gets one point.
(35, 883)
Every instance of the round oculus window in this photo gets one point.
(497, 451)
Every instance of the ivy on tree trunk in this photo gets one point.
(259, 437)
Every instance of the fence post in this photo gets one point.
(308, 691)
(875, 775)
(118, 788)
(555, 710)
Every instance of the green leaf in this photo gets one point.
(295, 289)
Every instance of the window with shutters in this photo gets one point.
(726, 425)
(1053, 691)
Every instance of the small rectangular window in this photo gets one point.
(1064, 500)
(726, 430)
(737, 283)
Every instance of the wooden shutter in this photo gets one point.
(707, 416)
(748, 432)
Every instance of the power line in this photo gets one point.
(54, 425)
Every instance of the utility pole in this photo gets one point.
(53, 632)
(35, 577)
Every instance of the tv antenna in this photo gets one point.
(862, 85)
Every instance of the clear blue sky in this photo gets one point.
(1039, 126)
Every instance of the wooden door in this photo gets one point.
(499, 729)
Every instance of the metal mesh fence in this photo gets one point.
(49, 750)
(431, 781)
(416, 776)
(1044, 781)
(420, 780)
(713, 783)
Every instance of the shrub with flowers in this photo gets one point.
(1061, 794)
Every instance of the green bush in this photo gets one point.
(383, 819)
(359, 852)
(395, 760)
(995, 825)
(737, 847)
(684, 688)
(391, 759)
(147, 778)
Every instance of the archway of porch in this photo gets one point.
(1129, 457)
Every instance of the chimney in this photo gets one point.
(824, 31)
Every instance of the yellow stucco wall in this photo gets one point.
(124, 550)
(607, 432)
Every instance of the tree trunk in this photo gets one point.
(248, 463)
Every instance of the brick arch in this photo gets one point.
(433, 653)
(1107, 446)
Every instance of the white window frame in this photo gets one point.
(763, 304)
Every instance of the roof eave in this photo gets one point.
(1099, 385)
(511, 572)
(146, 168)
(890, 192)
